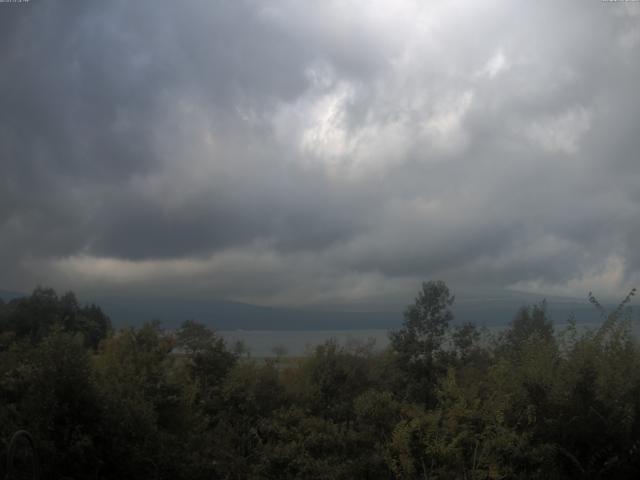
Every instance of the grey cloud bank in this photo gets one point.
(320, 153)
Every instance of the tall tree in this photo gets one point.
(418, 344)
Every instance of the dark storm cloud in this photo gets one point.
(290, 152)
(86, 92)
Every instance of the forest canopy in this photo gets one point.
(444, 400)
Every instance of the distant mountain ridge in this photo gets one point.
(226, 315)
(7, 295)
(484, 309)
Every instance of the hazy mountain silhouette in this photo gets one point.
(485, 308)
(7, 295)
(488, 310)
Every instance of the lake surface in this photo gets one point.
(263, 343)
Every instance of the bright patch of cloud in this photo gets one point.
(560, 133)
(496, 65)
(607, 280)
(445, 127)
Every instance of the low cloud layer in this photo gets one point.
(322, 153)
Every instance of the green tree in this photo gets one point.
(418, 345)
(35, 316)
(528, 321)
(48, 389)
(206, 357)
(466, 342)
(330, 380)
(145, 405)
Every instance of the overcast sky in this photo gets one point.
(319, 152)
